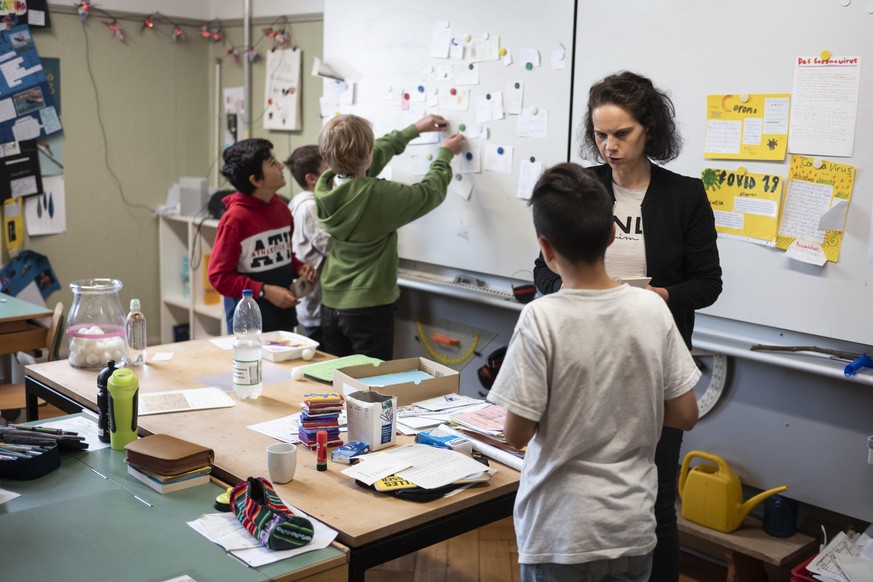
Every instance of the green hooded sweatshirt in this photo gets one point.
(362, 216)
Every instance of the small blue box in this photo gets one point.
(348, 453)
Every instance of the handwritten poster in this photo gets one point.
(814, 210)
(824, 106)
(282, 91)
(745, 205)
(754, 129)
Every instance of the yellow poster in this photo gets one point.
(814, 210)
(747, 127)
(745, 205)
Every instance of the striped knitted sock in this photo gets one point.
(262, 513)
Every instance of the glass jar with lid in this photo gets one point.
(95, 324)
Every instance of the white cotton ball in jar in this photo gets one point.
(307, 354)
(92, 359)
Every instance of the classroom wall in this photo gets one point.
(148, 98)
(156, 100)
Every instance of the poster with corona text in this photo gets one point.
(745, 205)
(747, 127)
(814, 209)
(282, 109)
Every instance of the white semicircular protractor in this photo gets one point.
(711, 386)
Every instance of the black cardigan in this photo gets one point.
(680, 237)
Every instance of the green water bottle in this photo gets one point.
(123, 404)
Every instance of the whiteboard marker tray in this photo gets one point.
(279, 346)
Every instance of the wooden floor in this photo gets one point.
(489, 554)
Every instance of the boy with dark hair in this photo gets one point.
(591, 375)
(252, 247)
(309, 241)
(362, 214)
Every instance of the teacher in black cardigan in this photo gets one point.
(664, 230)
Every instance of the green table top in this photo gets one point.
(89, 520)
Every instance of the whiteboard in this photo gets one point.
(384, 47)
(692, 49)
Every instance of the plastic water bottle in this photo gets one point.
(135, 328)
(247, 355)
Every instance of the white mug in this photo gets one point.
(281, 462)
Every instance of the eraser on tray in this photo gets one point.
(347, 453)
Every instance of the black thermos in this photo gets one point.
(103, 401)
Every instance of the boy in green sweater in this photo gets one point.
(362, 214)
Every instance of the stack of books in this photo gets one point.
(320, 412)
(167, 463)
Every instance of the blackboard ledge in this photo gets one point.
(735, 339)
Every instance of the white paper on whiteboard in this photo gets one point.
(497, 158)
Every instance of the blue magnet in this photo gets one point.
(500, 151)
(421, 88)
(469, 155)
(852, 369)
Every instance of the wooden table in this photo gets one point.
(377, 528)
(17, 332)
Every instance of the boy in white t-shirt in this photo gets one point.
(591, 375)
(309, 241)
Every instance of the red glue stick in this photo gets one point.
(321, 453)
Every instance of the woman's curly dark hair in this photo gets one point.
(650, 106)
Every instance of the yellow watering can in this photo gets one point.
(712, 494)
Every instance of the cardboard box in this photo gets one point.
(444, 379)
(372, 419)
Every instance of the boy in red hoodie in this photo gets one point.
(252, 247)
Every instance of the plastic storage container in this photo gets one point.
(95, 325)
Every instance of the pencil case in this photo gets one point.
(31, 468)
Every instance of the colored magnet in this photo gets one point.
(528, 66)
(825, 55)
(500, 151)
(488, 96)
(406, 96)
(741, 171)
(453, 91)
(817, 164)
(421, 88)
(462, 127)
(533, 160)
(534, 110)
(744, 98)
(502, 52)
(467, 38)
(469, 155)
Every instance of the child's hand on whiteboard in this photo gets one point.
(432, 123)
(454, 143)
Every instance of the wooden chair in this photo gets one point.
(12, 400)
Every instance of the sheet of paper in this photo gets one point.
(513, 97)
(459, 101)
(825, 562)
(529, 173)
(816, 197)
(558, 57)
(225, 530)
(430, 467)
(747, 127)
(397, 378)
(498, 158)
(529, 56)
(462, 185)
(470, 161)
(507, 58)
(824, 105)
(456, 50)
(533, 122)
(447, 402)
(284, 429)
(177, 400)
(745, 205)
(484, 49)
(489, 107)
(375, 466)
(46, 213)
(440, 39)
(235, 100)
(468, 75)
(6, 496)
